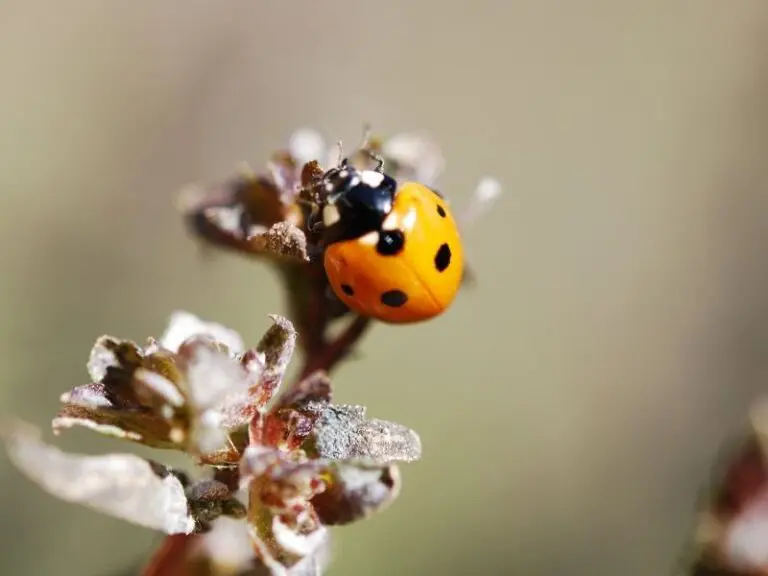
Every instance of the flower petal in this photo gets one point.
(292, 419)
(110, 353)
(277, 345)
(313, 563)
(227, 547)
(211, 374)
(136, 399)
(160, 387)
(284, 525)
(250, 214)
(276, 348)
(92, 406)
(295, 543)
(94, 395)
(265, 366)
(486, 193)
(745, 545)
(112, 362)
(121, 485)
(139, 426)
(184, 325)
(306, 145)
(416, 157)
(343, 433)
(283, 480)
(284, 174)
(356, 492)
(215, 384)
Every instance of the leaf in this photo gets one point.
(135, 425)
(121, 485)
(355, 492)
(343, 433)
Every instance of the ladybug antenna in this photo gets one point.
(342, 161)
(365, 146)
(317, 191)
(376, 158)
(366, 142)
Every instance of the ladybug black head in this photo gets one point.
(357, 201)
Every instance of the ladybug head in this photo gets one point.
(340, 179)
(356, 201)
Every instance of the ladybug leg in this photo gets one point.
(376, 157)
(314, 251)
(341, 162)
(336, 307)
(314, 221)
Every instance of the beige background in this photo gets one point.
(570, 405)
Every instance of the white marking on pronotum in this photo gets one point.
(371, 178)
(391, 221)
(330, 215)
(409, 220)
(372, 238)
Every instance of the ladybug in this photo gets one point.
(390, 251)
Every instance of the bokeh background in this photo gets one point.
(571, 405)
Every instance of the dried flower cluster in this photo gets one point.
(732, 531)
(283, 467)
(275, 470)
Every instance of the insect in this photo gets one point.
(391, 251)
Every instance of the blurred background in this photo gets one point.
(571, 405)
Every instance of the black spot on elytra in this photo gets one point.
(394, 298)
(443, 258)
(441, 211)
(347, 289)
(391, 242)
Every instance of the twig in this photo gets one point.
(333, 352)
(170, 558)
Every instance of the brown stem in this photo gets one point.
(171, 558)
(315, 320)
(327, 357)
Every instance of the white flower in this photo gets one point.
(183, 326)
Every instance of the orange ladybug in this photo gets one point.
(391, 252)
